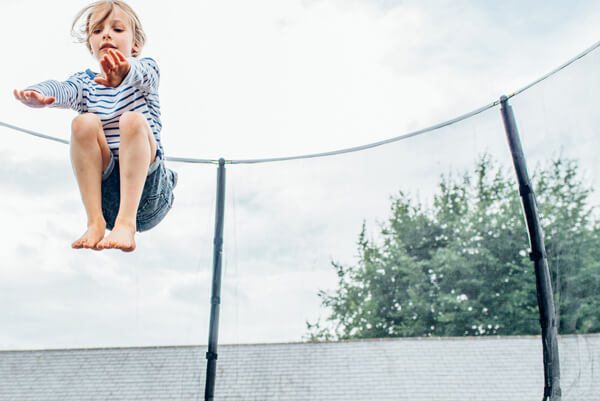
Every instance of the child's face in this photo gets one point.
(114, 32)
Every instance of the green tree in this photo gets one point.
(461, 267)
(573, 247)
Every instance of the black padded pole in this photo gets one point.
(215, 300)
(538, 256)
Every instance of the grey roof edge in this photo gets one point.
(469, 338)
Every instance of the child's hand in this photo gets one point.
(33, 99)
(115, 67)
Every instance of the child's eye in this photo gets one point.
(119, 29)
(96, 31)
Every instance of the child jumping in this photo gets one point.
(116, 151)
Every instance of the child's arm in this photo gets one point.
(33, 99)
(67, 94)
(144, 75)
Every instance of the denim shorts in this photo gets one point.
(157, 195)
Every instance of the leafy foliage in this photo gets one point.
(461, 267)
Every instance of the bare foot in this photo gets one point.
(91, 237)
(121, 237)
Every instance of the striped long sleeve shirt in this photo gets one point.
(138, 92)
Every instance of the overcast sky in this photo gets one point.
(267, 78)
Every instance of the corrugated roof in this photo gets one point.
(486, 368)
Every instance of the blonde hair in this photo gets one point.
(105, 7)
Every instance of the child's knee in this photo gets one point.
(132, 122)
(85, 125)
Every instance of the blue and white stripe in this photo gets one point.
(138, 92)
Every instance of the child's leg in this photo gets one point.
(136, 153)
(90, 156)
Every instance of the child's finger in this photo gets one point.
(109, 60)
(101, 81)
(118, 55)
(113, 55)
(21, 96)
(103, 64)
(121, 57)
